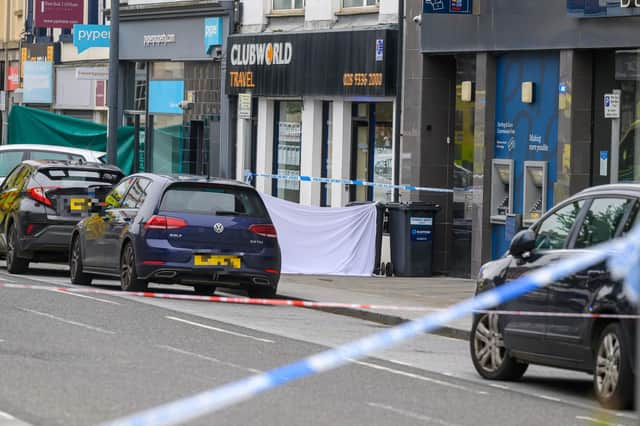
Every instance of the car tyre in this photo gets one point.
(129, 280)
(613, 379)
(76, 273)
(262, 292)
(15, 263)
(204, 290)
(489, 355)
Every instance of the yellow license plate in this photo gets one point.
(78, 204)
(211, 260)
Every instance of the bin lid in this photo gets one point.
(414, 205)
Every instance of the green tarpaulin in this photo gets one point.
(33, 126)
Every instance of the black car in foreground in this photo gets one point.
(503, 345)
(187, 230)
(41, 202)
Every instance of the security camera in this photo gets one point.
(418, 19)
(186, 105)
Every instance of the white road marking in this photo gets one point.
(208, 358)
(66, 321)
(549, 398)
(83, 296)
(52, 280)
(596, 421)
(418, 377)
(6, 416)
(411, 415)
(497, 386)
(221, 330)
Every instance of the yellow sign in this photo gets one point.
(362, 79)
(210, 260)
(78, 204)
(242, 79)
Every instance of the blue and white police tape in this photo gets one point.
(249, 175)
(218, 398)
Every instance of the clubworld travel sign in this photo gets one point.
(597, 9)
(313, 63)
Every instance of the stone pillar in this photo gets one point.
(264, 160)
(484, 141)
(574, 123)
(341, 152)
(311, 150)
(437, 149)
(243, 147)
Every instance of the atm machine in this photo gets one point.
(535, 191)
(501, 189)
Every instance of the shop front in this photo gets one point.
(171, 59)
(545, 84)
(317, 104)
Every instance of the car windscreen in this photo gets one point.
(65, 177)
(213, 200)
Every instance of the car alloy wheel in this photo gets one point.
(129, 280)
(15, 264)
(612, 377)
(489, 344)
(77, 275)
(489, 354)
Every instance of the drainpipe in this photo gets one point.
(398, 111)
(114, 47)
(5, 95)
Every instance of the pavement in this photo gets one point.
(429, 293)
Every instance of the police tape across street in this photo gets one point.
(297, 303)
(623, 258)
(249, 176)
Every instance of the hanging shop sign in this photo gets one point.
(88, 36)
(58, 13)
(343, 63)
(454, 7)
(13, 78)
(596, 8)
(212, 33)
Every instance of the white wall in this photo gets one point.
(254, 14)
(320, 10)
(341, 151)
(264, 160)
(311, 150)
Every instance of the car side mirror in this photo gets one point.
(523, 242)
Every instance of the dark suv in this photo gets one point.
(502, 346)
(40, 203)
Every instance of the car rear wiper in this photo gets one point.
(228, 213)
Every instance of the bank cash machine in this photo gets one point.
(502, 187)
(534, 191)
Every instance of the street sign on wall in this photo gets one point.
(462, 7)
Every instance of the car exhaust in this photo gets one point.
(165, 274)
(260, 281)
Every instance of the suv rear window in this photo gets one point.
(60, 176)
(213, 201)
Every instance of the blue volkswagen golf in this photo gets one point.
(179, 230)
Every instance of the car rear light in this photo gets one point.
(154, 262)
(268, 231)
(29, 229)
(165, 222)
(38, 194)
(272, 271)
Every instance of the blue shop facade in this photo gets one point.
(519, 95)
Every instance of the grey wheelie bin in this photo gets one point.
(411, 232)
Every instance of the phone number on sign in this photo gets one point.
(362, 79)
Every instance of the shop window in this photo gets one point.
(167, 71)
(359, 3)
(287, 143)
(288, 4)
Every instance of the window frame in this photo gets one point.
(127, 196)
(363, 6)
(126, 192)
(288, 9)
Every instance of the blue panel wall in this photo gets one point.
(526, 131)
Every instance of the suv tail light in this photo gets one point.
(165, 222)
(38, 194)
(268, 231)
